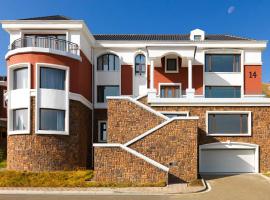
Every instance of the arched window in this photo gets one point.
(139, 64)
(108, 62)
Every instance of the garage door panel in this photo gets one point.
(227, 160)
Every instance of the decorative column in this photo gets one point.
(152, 92)
(190, 91)
(151, 74)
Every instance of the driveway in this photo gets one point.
(235, 187)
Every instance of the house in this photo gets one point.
(3, 117)
(135, 108)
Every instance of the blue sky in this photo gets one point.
(238, 17)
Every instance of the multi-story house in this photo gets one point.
(3, 117)
(136, 108)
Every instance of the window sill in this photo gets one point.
(52, 132)
(19, 132)
(231, 134)
(223, 72)
(171, 72)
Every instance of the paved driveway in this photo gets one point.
(237, 187)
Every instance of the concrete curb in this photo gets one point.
(99, 191)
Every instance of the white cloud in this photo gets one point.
(230, 10)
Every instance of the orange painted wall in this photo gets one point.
(126, 79)
(181, 77)
(80, 72)
(253, 79)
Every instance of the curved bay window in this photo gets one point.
(140, 64)
(108, 62)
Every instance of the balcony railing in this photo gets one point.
(46, 42)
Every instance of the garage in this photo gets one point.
(228, 158)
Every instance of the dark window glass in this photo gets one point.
(140, 64)
(51, 78)
(222, 63)
(108, 62)
(171, 115)
(104, 91)
(222, 91)
(171, 64)
(52, 119)
(169, 91)
(197, 37)
(102, 131)
(228, 123)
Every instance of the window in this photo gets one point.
(222, 91)
(222, 63)
(170, 91)
(104, 91)
(51, 78)
(140, 64)
(197, 37)
(228, 123)
(57, 41)
(175, 114)
(171, 65)
(102, 131)
(20, 79)
(20, 119)
(4, 100)
(51, 119)
(108, 62)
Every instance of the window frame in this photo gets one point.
(224, 54)
(55, 106)
(177, 64)
(233, 86)
(140, 73)
(99, 126)
(249, 123)
(108, 60)
(10, 90)
(97, 98)
(54, 110)
(169, 84)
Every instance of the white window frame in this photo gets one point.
(10, 75)
(177, 64)
(37, 106)
(170, 84)
(99, 123)
(229, 112)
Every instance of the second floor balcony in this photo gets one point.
(52, 43)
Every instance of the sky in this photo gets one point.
(247, 18)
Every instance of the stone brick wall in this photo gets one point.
(260, 128)
(118, 166)
(127, 120)
(33, 152)
(175, 146)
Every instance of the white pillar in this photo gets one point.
(189, 74)
(190, 91)
(151, 74)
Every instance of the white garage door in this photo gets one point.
(227, 160)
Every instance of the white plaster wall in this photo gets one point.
(54, 99)
(252, 57)
(222, 78)
(19, 98)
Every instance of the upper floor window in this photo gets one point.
(222, 91)
(20, 78)
(52, 78)
(104, 91)
(197, 37)
(171, 65)
(108, 62)
(228, 123)
(222, 63)
(170, 91)
(140, 64)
